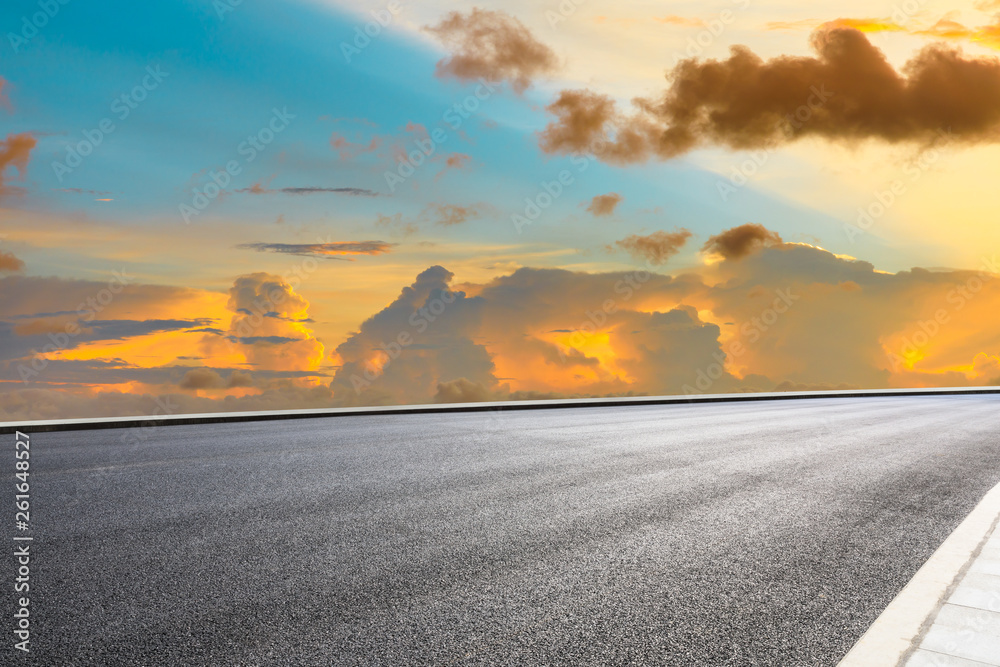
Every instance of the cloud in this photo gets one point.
(453, 162)
(849, 92)
(349, 150)
(604, 204)
(463, 391)
(337, 250)
(270, 324)
(15, 151)
(786, 316)
(396, 225)
(862, 25)
(655, 248)
(738, 242)
(680, 21)
(492, 45)
(80, 191)
(9, 263)
(209, 378)
(453, 214)
(259, 189)
(421, 339)
(4, 97)
(945, 28)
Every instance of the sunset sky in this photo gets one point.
(252, 205)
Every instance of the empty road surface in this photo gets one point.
(761, 533)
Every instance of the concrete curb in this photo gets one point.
(897, 632)
(232, 417)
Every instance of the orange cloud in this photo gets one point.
(862, 25)
(987, 35)
(348, 150)
(680, 21)
(15, 152)
(10, 263)
(738, 242)
(452, 214)
(745, 102)
(604, 204)
(492, 45)
(656, 248)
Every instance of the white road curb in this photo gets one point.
(897, 632)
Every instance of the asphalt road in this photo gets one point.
(719, 534)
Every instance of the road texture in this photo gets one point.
(721, 534)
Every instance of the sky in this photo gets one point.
(230, 205)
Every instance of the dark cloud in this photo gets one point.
(80, 191)
(655, 248)
(258, 189)
(848, 92)
(21, 340)
(337, 250)
(604, 204)
(492, 45)
(738, 242)
(270, 340)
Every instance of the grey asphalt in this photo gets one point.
(719, 534)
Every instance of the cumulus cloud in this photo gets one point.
(848, 92)
(492, 45)
(424, 337)
(655, 248)
(270, 324)
(604, 204)
(336, 250)
(15, 152)
(738, 242)
(10, 263)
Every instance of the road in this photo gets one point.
(766, 533)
